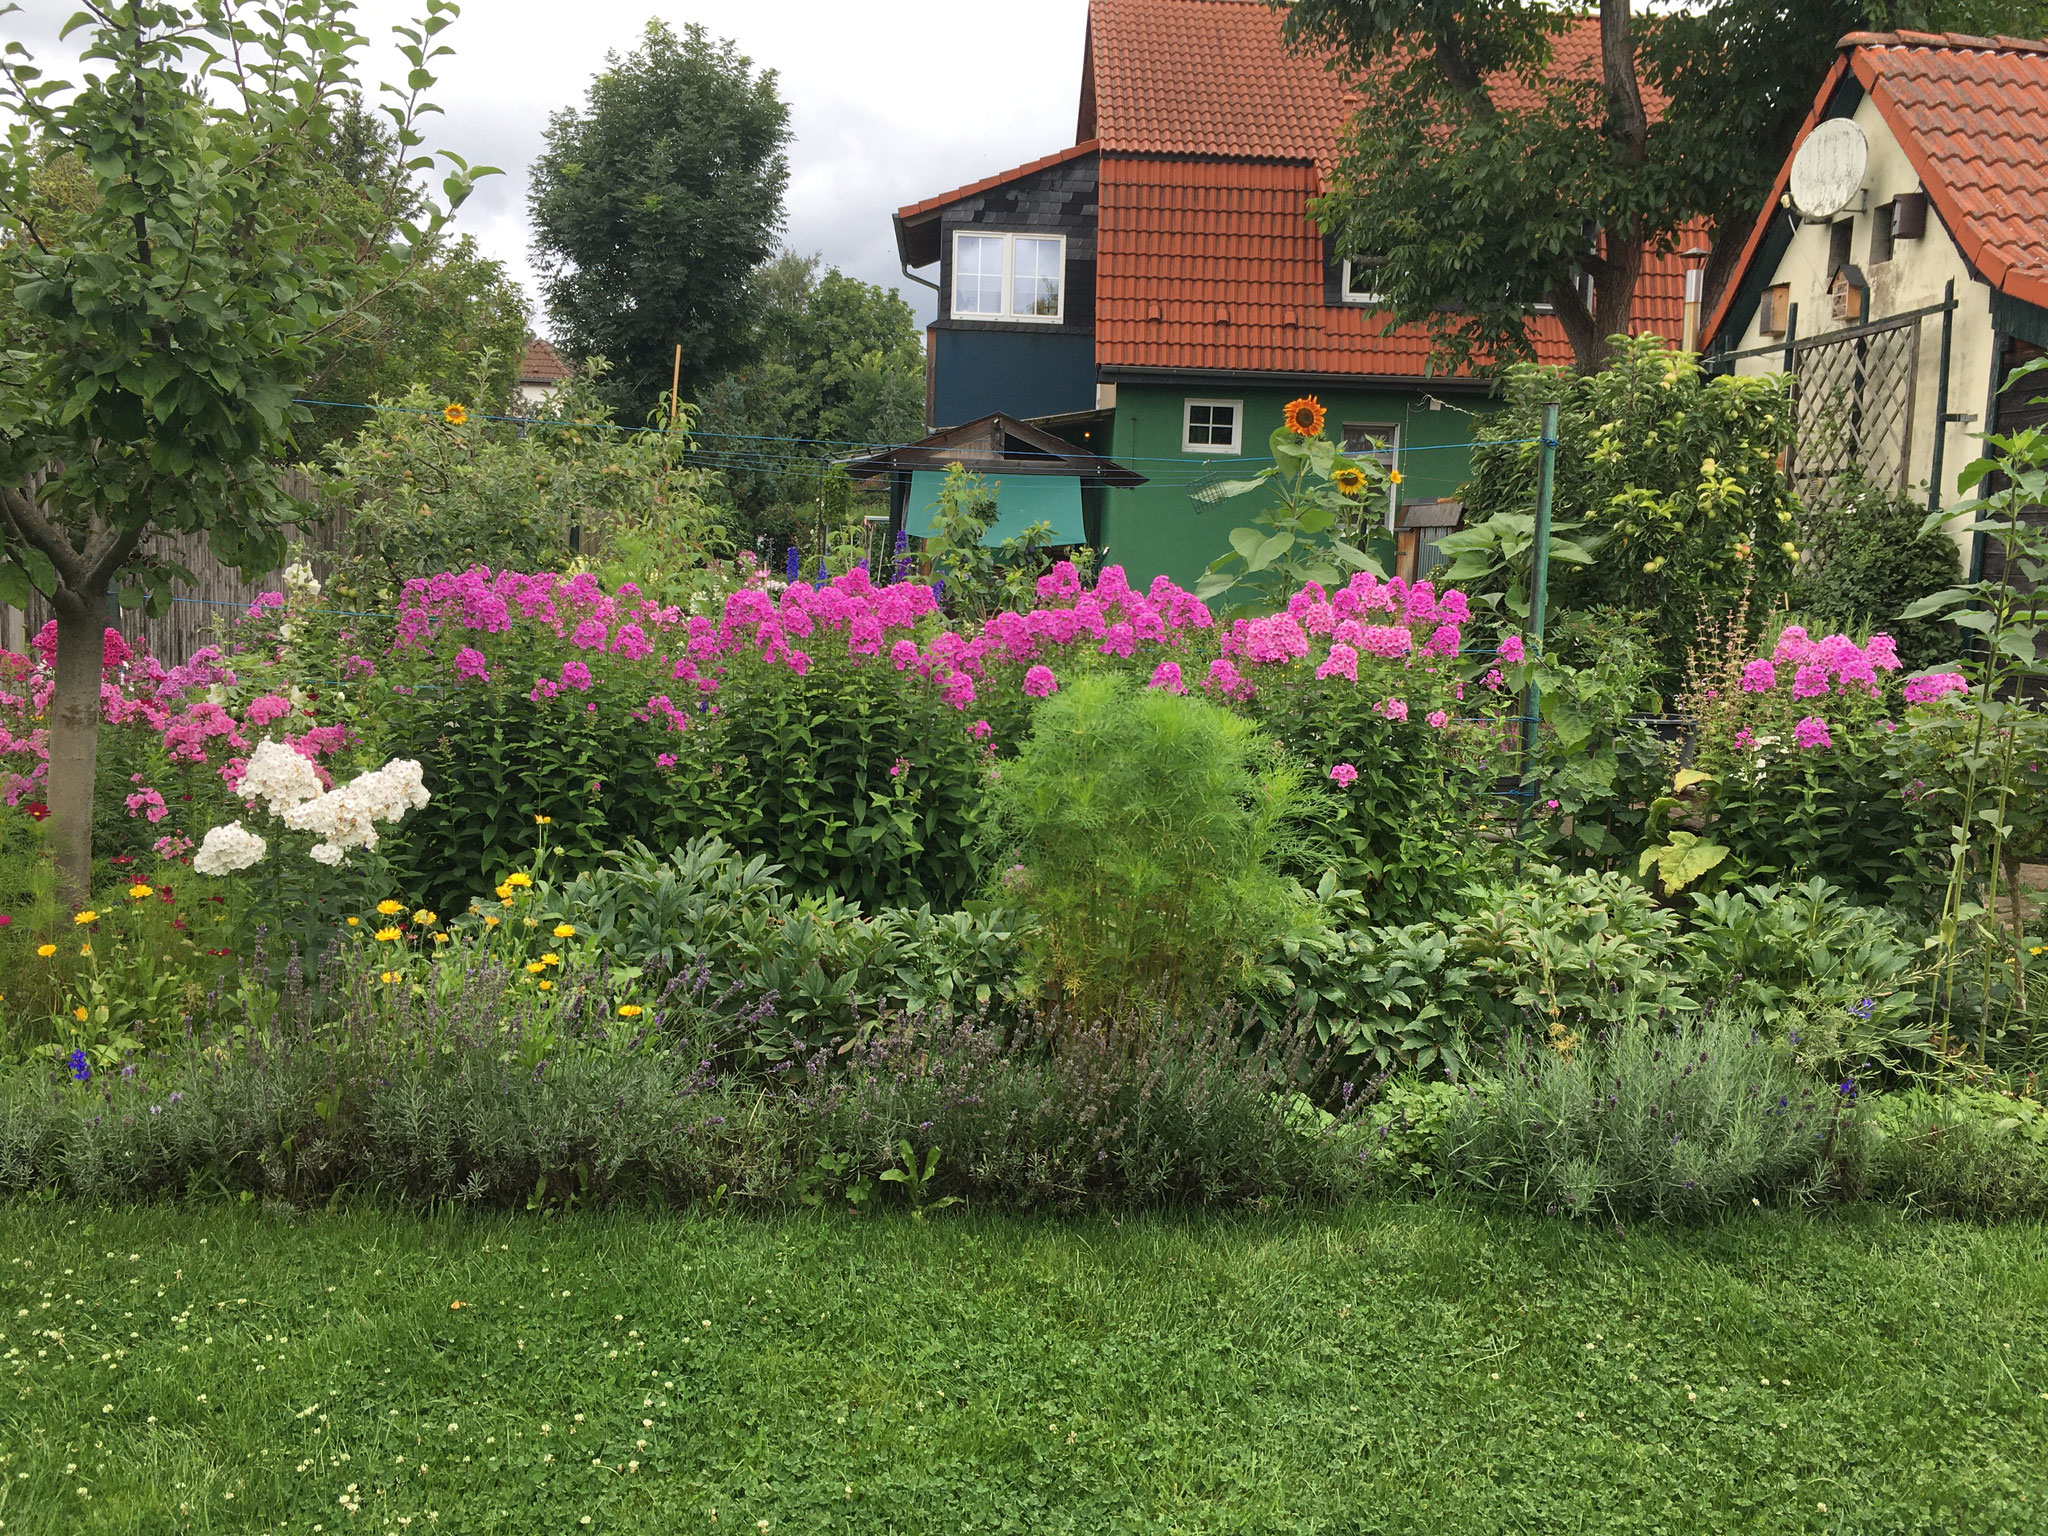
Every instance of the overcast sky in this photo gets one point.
(890, 100)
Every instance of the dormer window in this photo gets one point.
(1009, 277)
(1358, 285)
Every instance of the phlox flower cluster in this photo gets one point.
(346, 818)
(1934, 686)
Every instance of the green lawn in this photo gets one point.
(1389, 1368)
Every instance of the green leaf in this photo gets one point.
(1269, 551)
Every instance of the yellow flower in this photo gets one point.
(139, 892)
(1305, 416)
(78, 1014)
(454, 415)
(1394, 476)
(87, 916)
(440, 938)
(543, 821)
(629, 1010)
(546, 985)
(1349, 481)
(390, 908)
(534, 967)
(550, 959)
(355, 922)
(490, 921)
(388, 935)
(503, 892)
(388, 977)
(519, 880)
(48, 950)
(85, 949)
(565, 930)
(425, 918)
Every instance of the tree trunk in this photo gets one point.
(74, 742)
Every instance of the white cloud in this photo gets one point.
(890, 100)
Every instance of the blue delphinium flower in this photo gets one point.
(793, 563)
(1864, 1009)
(80, 1072)
(824, 570)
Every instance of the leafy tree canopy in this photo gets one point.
(154, 333)
(653, 207)
(1482, 179)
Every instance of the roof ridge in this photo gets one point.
(1966, 41)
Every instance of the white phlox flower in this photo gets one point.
(228, 849)
(279, 777)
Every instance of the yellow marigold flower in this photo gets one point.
(534, 967)
(546, 985)
(440, 938)
(355, 922)
(390, 908)
(87, 916)
(550, 959)
(78, 1014)
(139, 892)
(47, 950)
(565, 930)
(543, 821)
(629, 1010)
(454, 415)
(425, 918)
(490, 922)
(519, 880)
(504, 894)
(1305, 417)
(388, 935)
(1349, 481)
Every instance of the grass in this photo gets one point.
(1387, 1368)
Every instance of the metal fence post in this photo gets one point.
(1539, 592)
(1940, 465)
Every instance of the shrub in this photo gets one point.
(1961, 1151)
(1867, 561)
(1145, 824)
(1648, 1119)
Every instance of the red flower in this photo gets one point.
(37, 809)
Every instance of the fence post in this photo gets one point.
(1940, 465)
(1539, 593)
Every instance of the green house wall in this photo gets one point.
(1160, 528)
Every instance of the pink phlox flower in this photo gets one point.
(1344, 774)
(1039, 683)
(1935, 685)
(1883, 653)
(958, 690)
(1810, 681)
(357, 668)
(114, 650)
(1388, 641)
(900, 767)
(320, 741)
(1438, 718)
(1494, 680)
(864, 636)
(1341, 662)
(1167, 675)
(1811, 734)
(1745, 738)
(981, 730)
(1224, 678)
(1063, 580)
(632, 643)
(45, 643)
(1444, 640)
(1794, 646)
(1120, 641)
(575, 674)
(471, 666)
(1759, 676)
(148, 802)
(1837, 651)
(904, 654)
(1511, 651)
(664, 759)
(590, 635)
(1393, 709)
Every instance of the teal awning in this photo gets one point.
(1021, 500)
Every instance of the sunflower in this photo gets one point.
(1305, 416)
(454, 415)
(1349, 480)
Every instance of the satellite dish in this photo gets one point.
(1828, 171)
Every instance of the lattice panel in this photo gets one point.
(1855, 408)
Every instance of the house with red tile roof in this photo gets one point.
(542, 372)
(1156, 291)
(1905, 272)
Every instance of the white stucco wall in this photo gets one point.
(1913, 278)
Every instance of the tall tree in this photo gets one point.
(837, 364)
(1487, 175)
(152, 340)
(653, 207)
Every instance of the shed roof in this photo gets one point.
(1970, 114)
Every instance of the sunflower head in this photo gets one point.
(1305, 416)
(455, 415)
(1349, 480)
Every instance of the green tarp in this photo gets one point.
(1021, 500)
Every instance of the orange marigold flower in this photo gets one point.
(1305, 417)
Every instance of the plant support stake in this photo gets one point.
(1539, 593)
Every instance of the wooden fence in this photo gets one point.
(197, 611)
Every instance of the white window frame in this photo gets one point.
(1007, 315)
(1234, 448)
(1346, 296)
(1390, 456)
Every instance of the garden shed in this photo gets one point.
(1035, 475)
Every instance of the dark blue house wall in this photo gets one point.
(1024, 373)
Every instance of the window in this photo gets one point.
(1881, 234)
(1358, 286)
(1379, 440)
(1838, 245)
(1212, 426)
(1009, 277)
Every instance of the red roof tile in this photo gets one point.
(1214, 264)
(1058, 157)
(1971, 116)
(542, 364)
